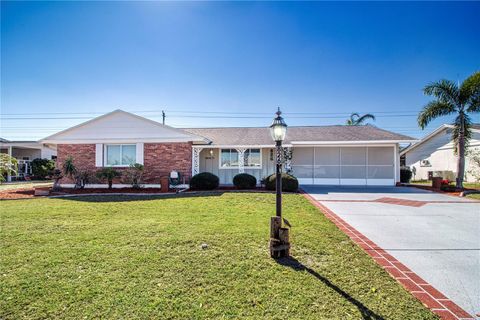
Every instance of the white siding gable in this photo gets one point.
(121, 127)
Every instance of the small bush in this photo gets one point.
(204, 181)
(133, 175)
(55, 175)
(108, 174)
(289, 183)
(405, 174)
(244, 181)
(446, 185)
(82, 178)
(69, 168)
(41, 168)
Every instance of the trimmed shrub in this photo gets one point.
(55, 175)
(405, 174)
(244, 181)
(108, 173)
(41, 168)
(133, 175)
(82, 178)
(204, 181)
(289, 183)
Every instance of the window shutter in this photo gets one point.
(139, 151)
(99, 155)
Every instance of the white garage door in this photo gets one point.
(344, 165)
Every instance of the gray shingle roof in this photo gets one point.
(261, 135)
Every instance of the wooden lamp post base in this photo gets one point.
(279, 239)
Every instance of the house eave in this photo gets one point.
(119, 140)
(364, 142)
(426, 138)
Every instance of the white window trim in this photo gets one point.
(238, 167)
(105, 155)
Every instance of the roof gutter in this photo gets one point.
(352, 142)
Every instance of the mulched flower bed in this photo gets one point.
(105, 190)
(29, 193)
(16, 194)
(429, 188)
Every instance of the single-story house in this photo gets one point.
(434, 154)
(332, 155)
(25, 152)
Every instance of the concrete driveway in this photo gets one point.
(437, 236)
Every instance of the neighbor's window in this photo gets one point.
(120, 154)
(251, 158)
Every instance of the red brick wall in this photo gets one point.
(83, 157)
(159, 159)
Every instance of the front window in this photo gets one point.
(230, 158)
(120, 154)
(252, 158)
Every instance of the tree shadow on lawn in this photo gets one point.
(298, 266)
(137, 197)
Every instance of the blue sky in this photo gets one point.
(317, 61)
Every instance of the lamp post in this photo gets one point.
(279, 238)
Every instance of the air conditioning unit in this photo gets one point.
(425, 163)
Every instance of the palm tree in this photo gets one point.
(454, 99)
(108, 173)
(69, 168)
(357, 120)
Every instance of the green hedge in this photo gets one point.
(405, 174)
(204, 181)
(289, 183)
(244, 181)
(41, 168)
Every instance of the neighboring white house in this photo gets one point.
(434, 155)
(25, 152)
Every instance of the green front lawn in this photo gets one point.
(142, 259)
(474, 196)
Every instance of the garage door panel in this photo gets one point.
(303, 171)
(380, 172)
(344, 165)
(380, 156)
(327, 172)
(353, 172)
(302, 156)
(327, 156)
(353, 155)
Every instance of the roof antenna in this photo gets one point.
(163, 117)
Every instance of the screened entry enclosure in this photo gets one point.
(344, 165)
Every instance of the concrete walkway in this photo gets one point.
(437, 236)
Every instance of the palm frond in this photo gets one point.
(352, 121)
(444, 90)
(433, 110)
(467, 131)
(470, 89)
(353, 115)
(365, 117)
(474, 106)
